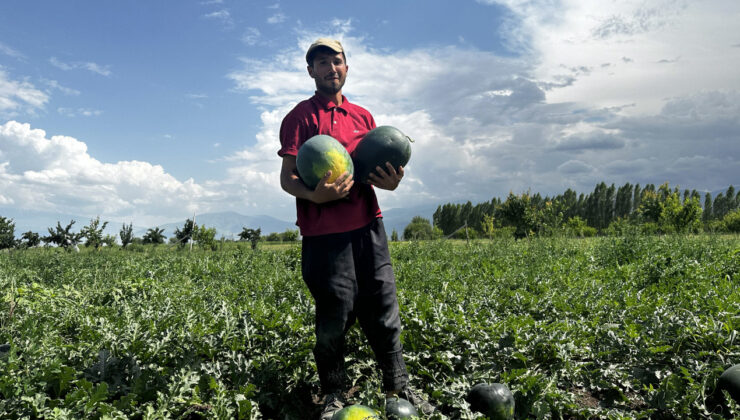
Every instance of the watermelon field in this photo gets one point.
(610, 327)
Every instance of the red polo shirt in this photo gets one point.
(347, 123)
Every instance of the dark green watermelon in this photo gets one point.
(320, 154)
(730, 382)
(356, 412)
(380, 145)
(399, 409)
(495, 401)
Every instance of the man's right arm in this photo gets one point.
(324, 192)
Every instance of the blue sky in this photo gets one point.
(150, 111)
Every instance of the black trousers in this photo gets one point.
(350, 278)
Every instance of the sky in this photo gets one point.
(151, 111)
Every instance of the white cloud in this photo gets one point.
(19, 96)
(575, 167)
(638, 39)
(89, 66)
(79, 112)
(485, 124)
(278, 17)
(251, 36)
(53, 84)
(11, 52)
(223, 16)
(57, 173)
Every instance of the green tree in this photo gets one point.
(63, 236)
(607, 207)
(718, 206)
(420, 229)
(731, 221)
(30, 239)
(93, 233)
(707, 215)
(678, 217)
(186, 234)
(447, 218)
(466, 211)
(7, 233)
(575, 226)
(623, 203)
(290, 235)
(569, 201)
(273, 237)
(488, 225)
(154, 236)
(651, 207)
(126, 234)
(731, 198)
(394, 236)
(636, 198)
(109, 240)
(205, 237)
(516, 211)
(251, 235)
(547, 219)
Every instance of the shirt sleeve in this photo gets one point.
(370, 121)
(292, 130)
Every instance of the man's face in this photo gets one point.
(329, 71)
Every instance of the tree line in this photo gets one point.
(608, 209)
(93, 236)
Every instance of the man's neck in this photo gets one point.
(336, 98)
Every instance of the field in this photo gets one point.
(628, 327)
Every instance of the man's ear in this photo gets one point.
(310, 71)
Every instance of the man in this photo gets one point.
(345, 259)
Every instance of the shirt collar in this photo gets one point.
(327, 104)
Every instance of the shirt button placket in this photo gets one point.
(333, 113)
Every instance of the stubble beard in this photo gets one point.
(330, 88)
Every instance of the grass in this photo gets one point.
(616, 327)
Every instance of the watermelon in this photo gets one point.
(730, 382)
(380, 145)
(320, 154)
(495, 401)
(399, 409)
(356, 412)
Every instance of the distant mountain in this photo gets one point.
(230, 224)
(399, 218)
(227, 224)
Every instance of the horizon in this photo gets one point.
(400, 216)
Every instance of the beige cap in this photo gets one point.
(333, 44)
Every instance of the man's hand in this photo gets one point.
(388, 179)
(326, 192)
